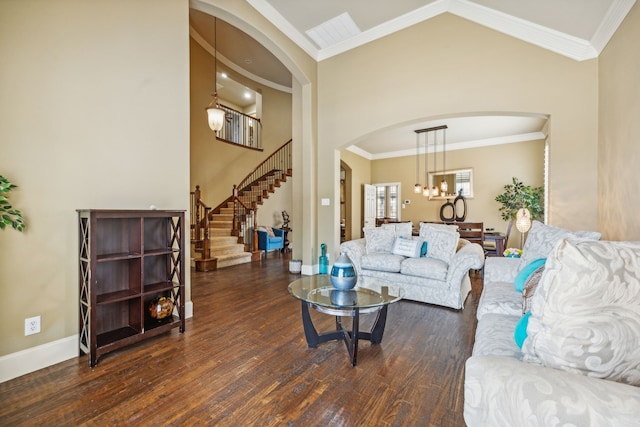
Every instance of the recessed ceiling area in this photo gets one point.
(469, 131)
(578, 29)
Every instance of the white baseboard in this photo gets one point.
(25, 361)
(309, 270)
(32, 359)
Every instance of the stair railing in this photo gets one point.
(240, 129)
(200, 223)
(278, 163)
(244, 223)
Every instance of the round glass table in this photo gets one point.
(316, 292)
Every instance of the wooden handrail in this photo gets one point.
(282, 155)
(200, 221)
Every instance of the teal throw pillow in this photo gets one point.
(524, 274)
(520, 333)
(423, 249)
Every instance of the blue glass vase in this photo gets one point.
(343, 275)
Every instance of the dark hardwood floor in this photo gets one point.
(243, 361)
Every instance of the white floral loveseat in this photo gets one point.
(435, 272)
(579, 360)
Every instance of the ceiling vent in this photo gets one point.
(334, 31)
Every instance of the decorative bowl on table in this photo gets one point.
(343, 276)
(161, 308)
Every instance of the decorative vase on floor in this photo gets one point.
(343, 275)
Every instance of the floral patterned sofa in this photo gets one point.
(578, 363)
(432, 267)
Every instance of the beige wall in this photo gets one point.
(448, 66)
(95, 107)
(97, 116)
(619, 133)
(493, 168)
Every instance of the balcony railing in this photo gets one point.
(240, 129)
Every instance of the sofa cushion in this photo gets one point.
(499, 298)
(542, 238)
(441, 244)
(494, 336)
(401, 229)
(407, 247)
(382, 262)
(431, 268)
(379, 239)
(585, 314)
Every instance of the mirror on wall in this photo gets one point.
(456, 179)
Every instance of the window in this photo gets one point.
(388, 201)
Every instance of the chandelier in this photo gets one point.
(426, 190)
(215, 114)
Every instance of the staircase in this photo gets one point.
(225, 236)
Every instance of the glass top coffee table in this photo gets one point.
(316, 292)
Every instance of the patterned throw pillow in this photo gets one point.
(425, 226)
(585, 313)
(526, 272)
(529, 289)
(407, 247)
(402, 229)
(441, 243)
(542, 238)
(379, 239)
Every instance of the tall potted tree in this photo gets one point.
(9, 215)
(522, 204)
(517, 196)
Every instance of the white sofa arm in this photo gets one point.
(499, 269)
(469, 256)
(500, 391)
(354, 249)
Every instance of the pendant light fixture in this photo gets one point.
(444, 187)
(417, 188)
(215, 114)
(425, 190)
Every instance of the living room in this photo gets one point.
(98, 115)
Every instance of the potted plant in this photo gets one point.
(517, 196)
(9, 215)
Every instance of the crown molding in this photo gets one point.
(272, 15)
(561, 43)
(612, 20)
(546, 38)
(463, 145)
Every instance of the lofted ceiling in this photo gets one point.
(578, 29)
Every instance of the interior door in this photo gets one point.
(369, 205)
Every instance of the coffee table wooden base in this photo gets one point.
(350, 337)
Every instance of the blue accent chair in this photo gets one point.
(267, 243)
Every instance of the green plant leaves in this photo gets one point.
(516, 196)
(9, 216)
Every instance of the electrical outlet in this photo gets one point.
(32, 326)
